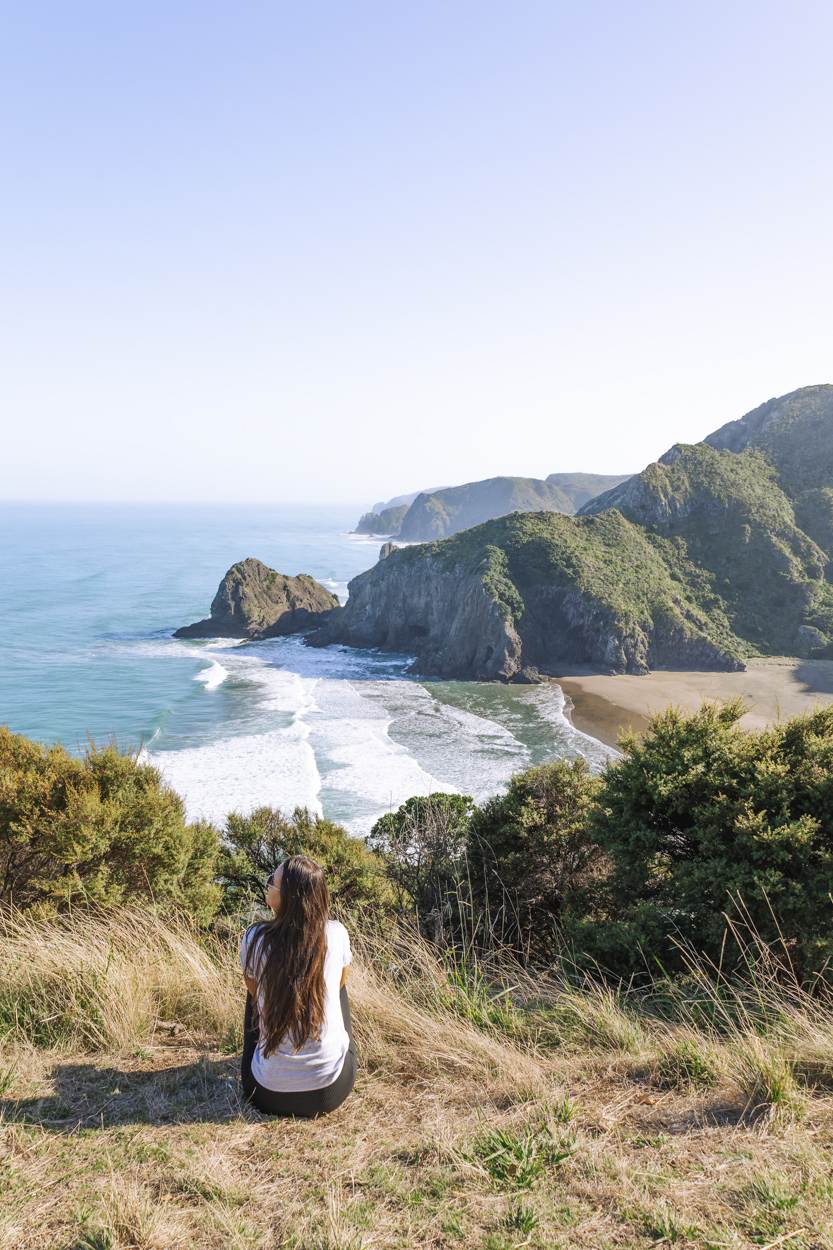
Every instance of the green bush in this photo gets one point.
(698, 814)
(99, 830)
(256, 843)
(532, 858)
(423, 844)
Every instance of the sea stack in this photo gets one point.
(254, 601)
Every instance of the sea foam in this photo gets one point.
(212, 676)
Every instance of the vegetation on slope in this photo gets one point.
(597, 590)
(795, 433)
(492, 1110)
(736, 539)
(97, 830)
(726, 513)
(627, 864)
(507, 1097)
(387, 521)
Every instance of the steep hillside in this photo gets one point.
(446, 512)
(716, 551)
(795, 433)
(385, 522)
(582, 487)
(538, 591)
(725, 512)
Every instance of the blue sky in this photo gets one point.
(343, 250)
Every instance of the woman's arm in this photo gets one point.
(251, 985)
(344, 972)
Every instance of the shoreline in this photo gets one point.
(773, 689)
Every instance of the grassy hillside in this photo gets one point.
(491, 1111)
(540, 591)
(727, 514)
(605, 559)
(728, 543)
(794, 431)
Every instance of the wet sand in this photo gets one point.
(772, 689)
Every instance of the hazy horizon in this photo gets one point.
(340, 254)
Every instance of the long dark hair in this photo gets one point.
(289, 956)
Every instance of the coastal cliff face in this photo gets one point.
(254, 601)
(717, 551)
(530, 594)
(443, 615)
(446, 512)
(387, 521)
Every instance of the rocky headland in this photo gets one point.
(254, 601)
(387, 521)
(717, 552)
(529, 594)
(433, 514)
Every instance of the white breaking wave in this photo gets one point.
(274, 769)
(347, 734)
(364, 772)
(212, 676)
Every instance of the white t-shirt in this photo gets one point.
(317, 1063)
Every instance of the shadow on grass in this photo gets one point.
(90, 1097)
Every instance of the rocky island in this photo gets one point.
(254, 601)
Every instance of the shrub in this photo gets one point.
(256, 843)
(697, 813)
(100, 830)
(531, 854)
(423, 844)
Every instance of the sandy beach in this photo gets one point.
(773, 689)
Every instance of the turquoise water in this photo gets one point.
(91, 595)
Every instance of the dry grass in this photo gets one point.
(550, 1116)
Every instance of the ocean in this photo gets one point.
(92, 593)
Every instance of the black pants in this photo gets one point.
(304, 1102)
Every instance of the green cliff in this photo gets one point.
(538, 591)
(716, 551)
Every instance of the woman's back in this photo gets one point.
(318, 1061)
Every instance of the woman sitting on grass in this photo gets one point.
(298, 1056)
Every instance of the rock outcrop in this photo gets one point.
(254, 601)
(535, 592)
(387, 521)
